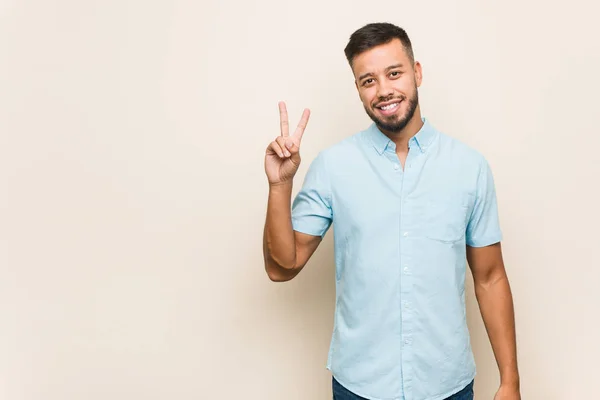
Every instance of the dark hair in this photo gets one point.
(375, 34)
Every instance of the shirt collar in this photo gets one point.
(422, 139)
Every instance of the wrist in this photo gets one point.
(510, 380)
(281, 186)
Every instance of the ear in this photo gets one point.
(418, 73)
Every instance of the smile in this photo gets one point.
(389, 109)
(390, 106)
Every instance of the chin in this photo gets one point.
(392, 119)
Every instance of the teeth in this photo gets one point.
(390, 106)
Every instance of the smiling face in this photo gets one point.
(387, 82)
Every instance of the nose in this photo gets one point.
(384, 90)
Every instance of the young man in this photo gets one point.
(410, 206)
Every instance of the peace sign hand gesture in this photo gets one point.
(282, 157)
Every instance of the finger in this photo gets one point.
(293, 148)
(283, 120)
(274, 147)
(290, 144)
(302, 124)
(283, 144)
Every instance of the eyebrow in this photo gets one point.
(363, 76)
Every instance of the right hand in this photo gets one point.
(282, 157)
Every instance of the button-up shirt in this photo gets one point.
(400, 236)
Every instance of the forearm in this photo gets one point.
(497, 309)
(279, 240)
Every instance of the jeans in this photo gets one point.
(341, 393)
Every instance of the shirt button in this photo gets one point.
(396, 166)
(405, 234)
(405, 269)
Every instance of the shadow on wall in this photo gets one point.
(300, 317)
(309, 300)
(487, 379)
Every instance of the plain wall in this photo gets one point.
(133, 192)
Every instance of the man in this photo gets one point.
(410, 206)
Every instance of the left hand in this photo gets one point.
(508, 393)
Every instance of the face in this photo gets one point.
(387, 83)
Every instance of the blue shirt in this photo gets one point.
(400, 236)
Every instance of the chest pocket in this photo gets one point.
(445, 218)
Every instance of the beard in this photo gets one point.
(395, 123)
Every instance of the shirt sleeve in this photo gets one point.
(311, 208)
(483, 228)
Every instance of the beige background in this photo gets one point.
(133, 192)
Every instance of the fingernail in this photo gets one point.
(287, 153)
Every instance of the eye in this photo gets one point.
(367, 81)
(395, 74)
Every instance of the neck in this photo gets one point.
(402, 137)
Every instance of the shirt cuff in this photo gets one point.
(308, 228)
(485, 241)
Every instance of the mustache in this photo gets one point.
(401, 98)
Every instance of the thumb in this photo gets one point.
(293, 148)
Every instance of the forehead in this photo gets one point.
(380, 57)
